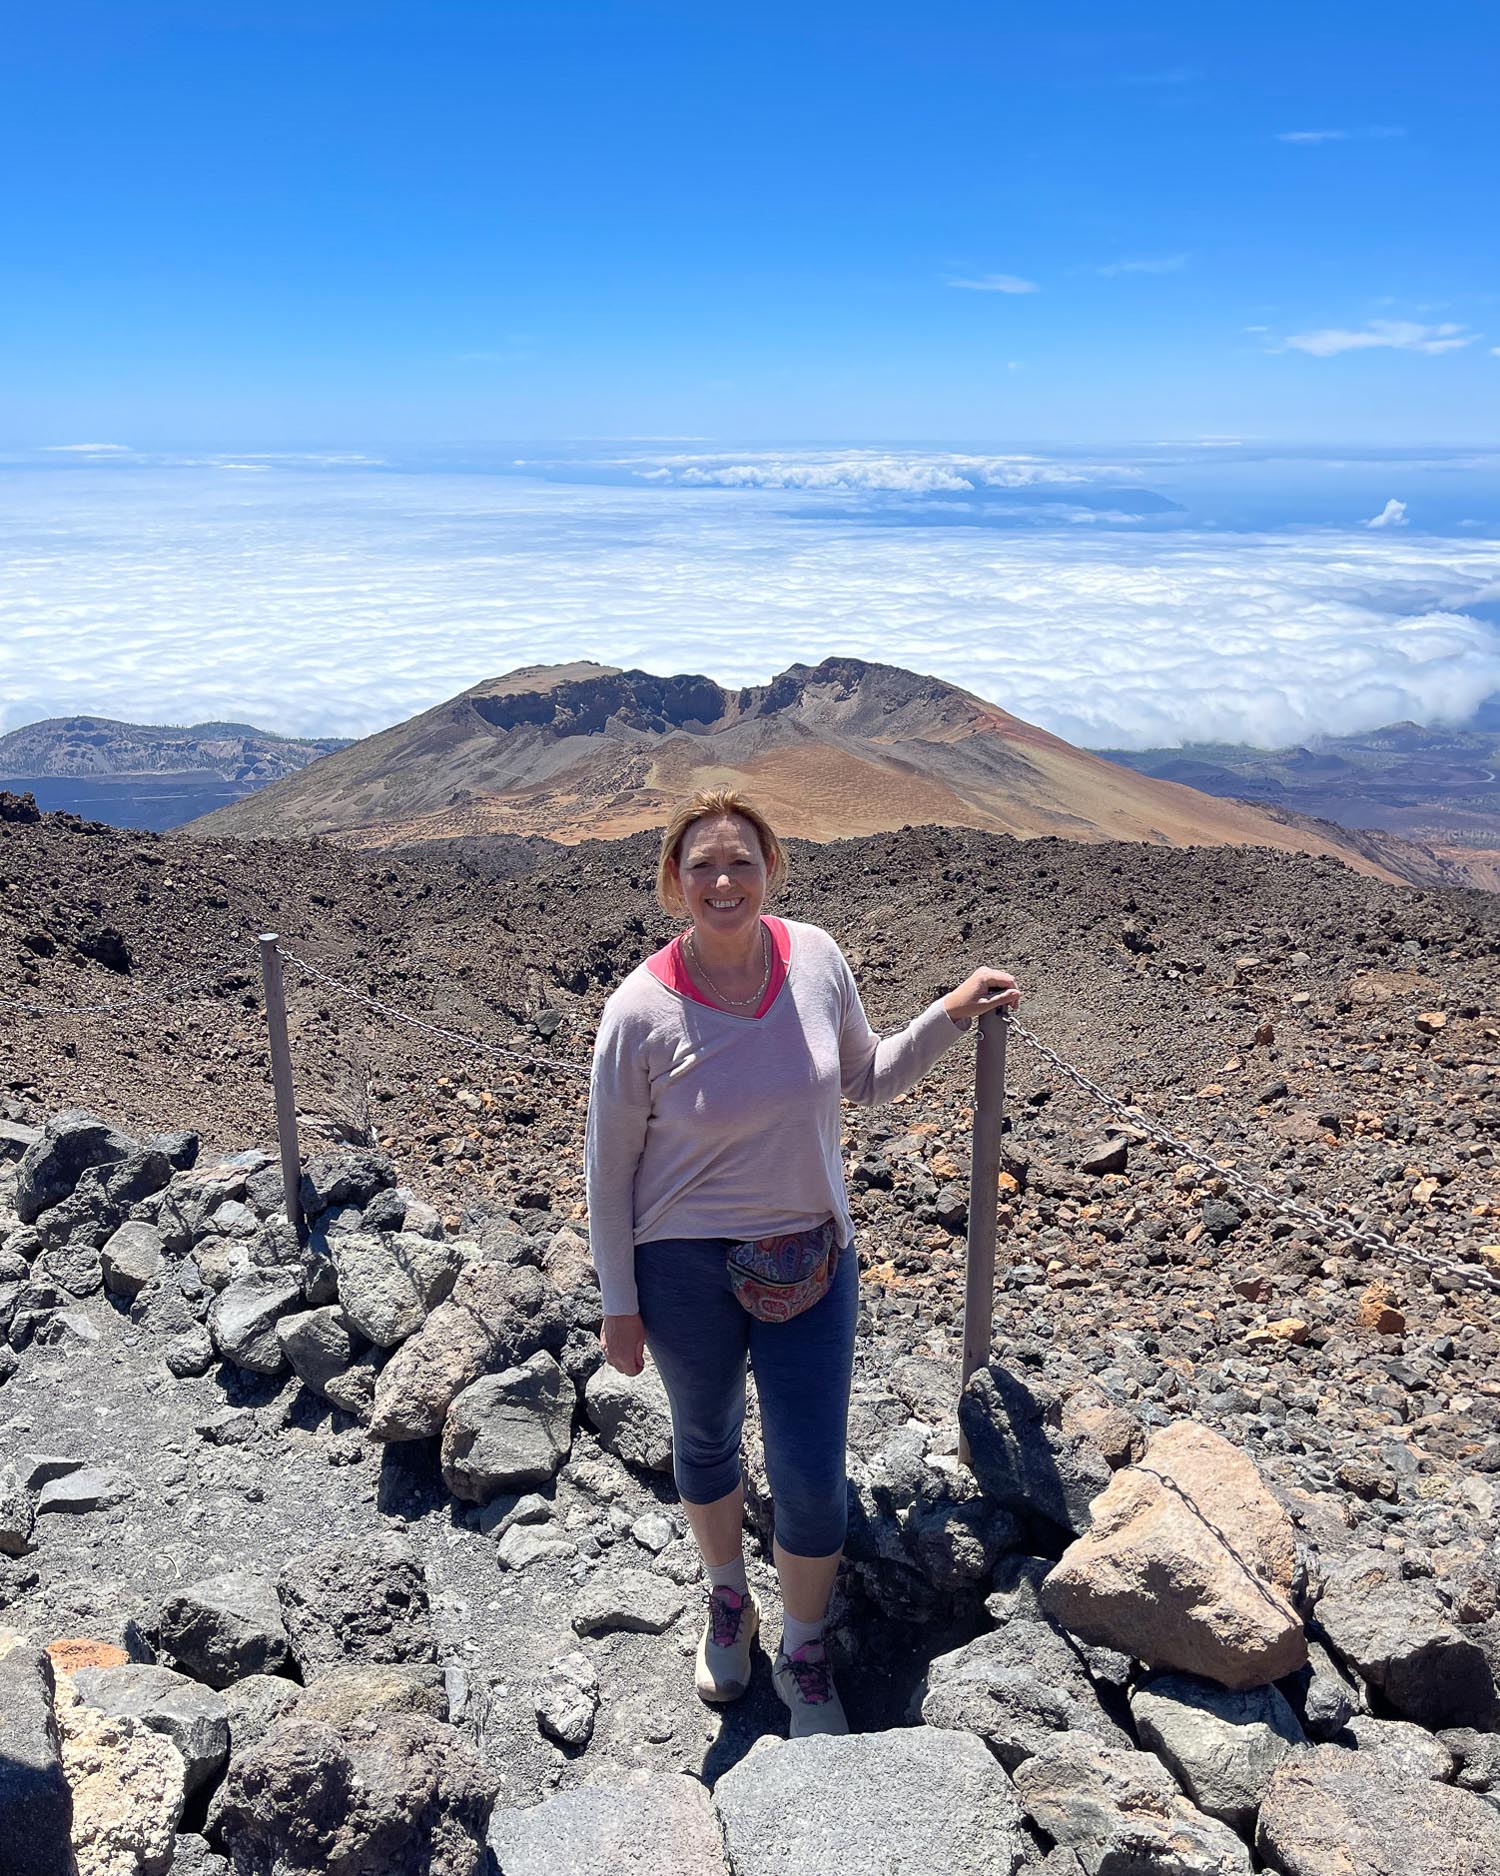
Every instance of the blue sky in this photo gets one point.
(378, 224)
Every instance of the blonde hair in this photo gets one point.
(714, 804)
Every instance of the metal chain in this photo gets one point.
(164, 993)
(473, 1043)
(1351, 1229)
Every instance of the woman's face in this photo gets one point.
(722, 873)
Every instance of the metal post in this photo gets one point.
(984, 1198)
(281, 1079)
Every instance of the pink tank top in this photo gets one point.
(669, 967)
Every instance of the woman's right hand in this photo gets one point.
(623, 1339)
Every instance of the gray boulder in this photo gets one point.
(223, 1628)
(1223, 1747)
(956, 1546)
(1120, 1812)
(17, 1516)
(243, 1318)
(1409, 1751)
(255, 1704)
(193, 1856)
(90, 1488)
(914, 1802)
(362, 1599)
(627, 1599)
(496, 1316)
(193, 1717)
(359, 1689)
(397, 1795)
(508, 1431)
(345, 1177)
(567, 1700)
(632, 1416)
(36, 1807)
(1476, 1756)
(320, 1346)
(661, 1826)
(1332, 1813)
(1397, 1636)
(131, 1257)
(1018, 1687)
(52, 1166)
(390, 1282)
(1023, 1455)
(1322, 1695)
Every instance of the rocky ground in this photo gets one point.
(468, 1525)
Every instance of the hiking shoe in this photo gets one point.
(805, 1682)
(724, 1652)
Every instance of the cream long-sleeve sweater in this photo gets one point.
(706, 1124)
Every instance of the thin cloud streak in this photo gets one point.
(1163, 264)
(996, 283)
(1399, 335)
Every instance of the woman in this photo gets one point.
(713, 1121)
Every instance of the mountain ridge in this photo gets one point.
(846, 747)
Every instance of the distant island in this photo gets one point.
(148, 775)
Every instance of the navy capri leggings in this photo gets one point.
(701, 1338)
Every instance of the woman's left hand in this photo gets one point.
(986, 990)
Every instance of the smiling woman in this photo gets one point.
(719, 1221)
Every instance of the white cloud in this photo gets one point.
(338, 602)
(1393, 515)
(997, 283)
(1401, 335)
(876, 471)
(1148, 264)
(1372, 133)
(88, 449)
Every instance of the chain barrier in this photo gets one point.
(1353, 1230)
(163, 993)
(474, 1044)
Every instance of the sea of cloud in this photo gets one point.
(338, 598)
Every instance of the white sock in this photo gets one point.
(795, 1634)
(729, 1575)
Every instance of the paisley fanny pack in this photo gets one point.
(777, 1278)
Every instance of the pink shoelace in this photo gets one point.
(810, 1670)
(726, 1610)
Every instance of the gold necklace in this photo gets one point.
(738, 1002)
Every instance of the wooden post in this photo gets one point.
(281, 1080)
(984, 1199)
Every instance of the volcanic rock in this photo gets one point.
(911, 1801)
(193, 1717)
(388, 1283)
(508, 1430)
(1329, 1812)
(1186, 1566)
(496, 1316)
(36, 1806)
(400, 1794)
(567, 1700)
(1119, 1811)
(243, 1318)
(1022, 1454)
(223, 1628)
(663, 1824)
(627, 1599)
(1397, 1636)
(632, 1416)
(363, 1600)
(1223, 1747)
(1018, 1687)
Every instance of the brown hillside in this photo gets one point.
(835, 750)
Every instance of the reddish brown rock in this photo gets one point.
(1189, 1565)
